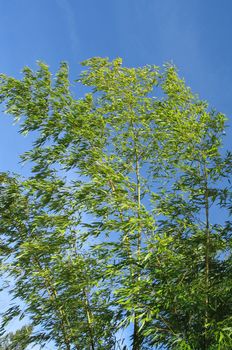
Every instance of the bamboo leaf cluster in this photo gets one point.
(123, 222)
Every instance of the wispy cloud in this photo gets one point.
(68, 12)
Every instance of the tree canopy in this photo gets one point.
(16, 341)
(123, 222)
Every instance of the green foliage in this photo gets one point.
(16, 341)
(116, 225)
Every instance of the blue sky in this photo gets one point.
(193, 34)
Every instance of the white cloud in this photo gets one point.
(68, 12)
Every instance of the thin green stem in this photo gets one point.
(136, 337)
(207, 258)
